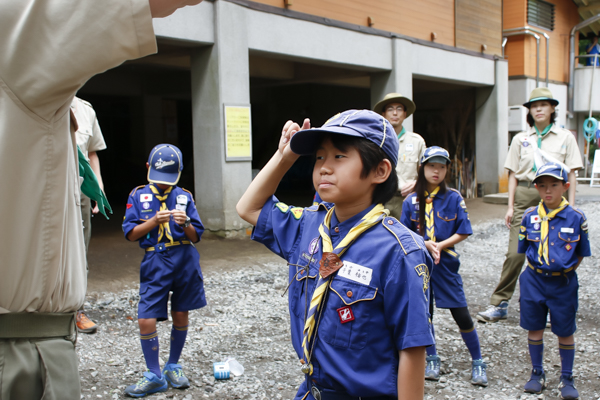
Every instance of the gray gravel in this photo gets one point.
(247, 319)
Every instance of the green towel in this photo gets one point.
(90, 186)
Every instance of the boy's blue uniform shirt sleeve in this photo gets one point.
(523, 242)
(132, 212)
(408, 217)
(463, 223)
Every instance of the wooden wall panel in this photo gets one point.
(479, 22)
(414, 18)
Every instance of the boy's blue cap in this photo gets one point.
(554, 170)
(358, 123)
(436, 154)
(166, 163)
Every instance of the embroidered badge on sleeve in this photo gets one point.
(282, 207)
(423, 272)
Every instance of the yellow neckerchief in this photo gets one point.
(543, 249)
(429, 225)
(371, 218)
(163, 229)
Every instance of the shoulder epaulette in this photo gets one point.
(577, 210)
(86, 103)
(136, 189)
(405, 237)
(185, 190)
(529, 210)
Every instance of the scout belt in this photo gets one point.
(160, 247)
(328, 394)
(543, 272)
(36, 325)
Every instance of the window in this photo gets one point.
(540, 13)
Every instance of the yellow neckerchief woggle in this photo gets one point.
(543, 249)
(163, 229)
(329, 253)
(429, 223)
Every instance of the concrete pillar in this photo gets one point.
(220, 75)
(398, 80)
(491, 131)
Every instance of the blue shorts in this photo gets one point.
(177, 270)
(446, 282)
(540, 293)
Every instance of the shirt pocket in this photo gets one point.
(567, 243)
(347, 316)
(297, 297)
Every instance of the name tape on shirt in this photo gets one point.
(145, 197)
(567, 230)
(356, 273)
(414, 200)
(409, 147)
(182, 201)
(535, 218)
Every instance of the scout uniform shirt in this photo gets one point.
(376, 304)
(450, 217)
(558, 142)
(567, 239)
(43, 254)
(89, 136)
(142, 205)
(411, 149)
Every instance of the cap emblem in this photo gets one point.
(159, 164)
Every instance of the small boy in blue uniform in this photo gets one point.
(359, 289)
(164, 219)
(440, 215)
(554, 238)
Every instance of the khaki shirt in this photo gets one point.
(411, 149)
(49, 50)
(89, 136)
(559, 143)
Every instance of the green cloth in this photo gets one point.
(539, 140)
(402, 132)
(90, 186)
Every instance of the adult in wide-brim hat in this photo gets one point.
(540, 94)
(390, 98)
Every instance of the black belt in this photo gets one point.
(328, 394)
(525, 183)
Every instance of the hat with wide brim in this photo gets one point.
(396, 98)
(541, 94)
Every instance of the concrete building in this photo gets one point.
(289, 59)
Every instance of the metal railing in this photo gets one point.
(527, 31)
(547, 37)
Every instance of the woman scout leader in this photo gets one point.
(557, 142)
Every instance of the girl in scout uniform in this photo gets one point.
(359, 313)
(559, 144)
(439, 214)
(554, 238)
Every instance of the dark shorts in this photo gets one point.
(539, 294)
(175, 270)
(446, 282)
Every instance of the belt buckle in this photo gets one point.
(160, 247)
(316, 393)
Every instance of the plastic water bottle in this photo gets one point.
(235, 367)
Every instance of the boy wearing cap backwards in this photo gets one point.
(554, 238)
(359, 288)
(163, 217)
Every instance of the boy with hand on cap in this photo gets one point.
(554, 238)
(163, 217)
(359, 287)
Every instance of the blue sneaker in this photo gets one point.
(174, 375)
(478, 374)
(567, 387)
(432, 369)
(494, 313)
(148, 384)
(537, 382)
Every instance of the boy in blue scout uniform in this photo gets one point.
(554, 238)
(163, 217)
(442, 215)
(358, 296)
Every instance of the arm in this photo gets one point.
(142, 229)
(451, 241)
(411, 374)
(180, 216)
(95, 164)
(267, 180)
(512, 188)
(580, 259)
(572, 188)
(164, 8)
(408, 188)
(433, 249)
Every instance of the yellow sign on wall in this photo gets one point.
(238, 133)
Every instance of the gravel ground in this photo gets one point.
(247, 319)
